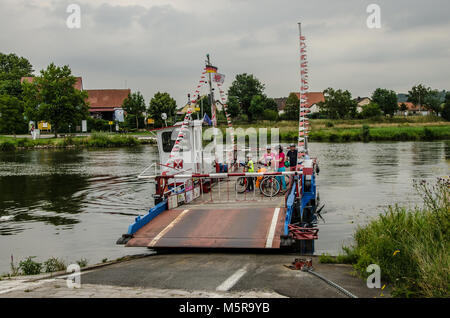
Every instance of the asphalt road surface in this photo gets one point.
(230, 272)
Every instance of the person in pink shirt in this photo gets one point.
(269, 158)
(280, 159)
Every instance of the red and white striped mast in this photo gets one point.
(303, 120)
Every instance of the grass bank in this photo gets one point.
(95, 140)
(365, 132)
(411, 246)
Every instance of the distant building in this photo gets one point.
(102, 102)
(412, 109)
(361, 102)
(312, 99)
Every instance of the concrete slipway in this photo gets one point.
(197, 274)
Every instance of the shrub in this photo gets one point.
(54, 264)
(82, 262)
(371, 110)
(7, 146)
(270, 114)
(329, 124)
(327, 259)
(30, 267)
(411, 246)
(365, 133)
(428, 134)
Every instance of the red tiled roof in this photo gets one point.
(106, 98)
(409, 106)
(313, 98)
(78, 84)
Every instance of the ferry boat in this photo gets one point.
(198, 202)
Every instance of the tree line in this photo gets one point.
(52, 97)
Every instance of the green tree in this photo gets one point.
(161, 103)
(12, 69)
(338, 104)
(386, 99)
(243, 88)
(53, 97)
(371, 110)
(271, 104)
(417, 94)
(234, 108)
(292, 107)
(257, 106)
(11, 115)
(204, 103)
(403, 107)
(432, 101)
(446, 110)
(134, 104)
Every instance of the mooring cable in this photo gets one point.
(329, 282)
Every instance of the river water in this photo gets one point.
(75, 204)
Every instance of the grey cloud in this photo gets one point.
(162, 47)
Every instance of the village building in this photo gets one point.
(410, 109)
(361, 102)
(312, 99)
(102, 102)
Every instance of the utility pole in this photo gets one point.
(211, 96)
(208, 63)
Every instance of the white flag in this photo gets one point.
(219, 78)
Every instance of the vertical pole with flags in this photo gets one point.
(213, 111)
(303, 122)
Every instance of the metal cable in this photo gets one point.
(329, 282)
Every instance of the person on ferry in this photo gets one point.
(292, 155)
(250, 168)
(268, 158)
(280, 159)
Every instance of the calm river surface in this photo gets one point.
(75, 204)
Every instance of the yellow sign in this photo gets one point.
(111, 123)
(150, 121)
(197, 109)
(42, 125)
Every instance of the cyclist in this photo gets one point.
(268, 158)
(250, 168)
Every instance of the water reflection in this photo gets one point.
(48, 198)
(385, 158)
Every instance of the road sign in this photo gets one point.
(150, 121)
(110, 123)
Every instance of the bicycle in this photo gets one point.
(242, 183)
(269, 186)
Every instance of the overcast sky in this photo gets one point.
(160, 45)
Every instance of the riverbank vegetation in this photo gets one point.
(411, 245)
(29, 266)
(95, 140)
(419, 128)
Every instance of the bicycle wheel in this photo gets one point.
(270, 187)
(241, 184)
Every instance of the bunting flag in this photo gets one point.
(201, 82)
(303, 120)
(174, 154)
